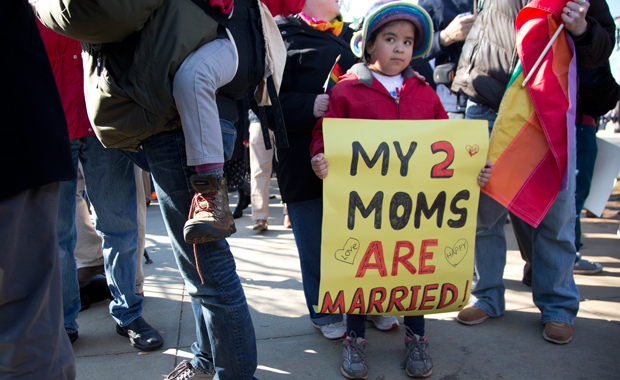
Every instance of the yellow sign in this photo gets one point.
(399, 215)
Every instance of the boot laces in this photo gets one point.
(208, 198)
(183, 371)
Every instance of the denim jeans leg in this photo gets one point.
(587, 150)
(475, 111)
(307, 219)
(490, 257)
(67, 237)
(224, 326)
(111, 188)
(553, 285)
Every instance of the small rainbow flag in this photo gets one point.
(334, 76)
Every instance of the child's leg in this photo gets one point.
(418, 361)
(415, 324)
(205, 70)
(353, 361)
(356, 325)
(195, 84)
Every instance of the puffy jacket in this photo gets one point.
(65, 56)
(359, 95)
(311, 55)
(489, 55)
(132, 51)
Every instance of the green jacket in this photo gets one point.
(131, 52)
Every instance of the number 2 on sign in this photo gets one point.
(441, 170)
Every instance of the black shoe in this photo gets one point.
(73, 336)
(141, 335)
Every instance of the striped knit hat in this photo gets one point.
(384, 11)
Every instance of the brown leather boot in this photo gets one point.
(209, 217)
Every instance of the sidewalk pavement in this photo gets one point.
(510, 347)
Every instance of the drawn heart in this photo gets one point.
(456, 254)
(472, 149)
(348, 252)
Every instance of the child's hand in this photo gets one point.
(321, 102)
(485, 174)
(320, 165)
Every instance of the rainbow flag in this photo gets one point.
(534, 131)
(334, 76)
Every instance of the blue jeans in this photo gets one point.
(553, 287)
(224, 330)
(307, 219)
(479, 112)
(111, 188)
(587, 151)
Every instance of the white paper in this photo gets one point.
(606, 170)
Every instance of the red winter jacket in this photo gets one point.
(359, 95)
(65, 55)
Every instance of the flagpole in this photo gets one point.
(557, 33)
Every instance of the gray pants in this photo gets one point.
(205, 70)
(33, 340)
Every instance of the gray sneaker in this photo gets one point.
(418, 361)
(583, 266)
(354, 359)
(185, 370)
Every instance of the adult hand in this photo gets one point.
(320, 105)
(574, 17)
(457, 30)
(485, 174)
(320, 165)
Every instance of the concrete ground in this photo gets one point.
(510, 347)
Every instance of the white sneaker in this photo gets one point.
(384, 322)
(332, 330)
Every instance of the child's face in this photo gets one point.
(390, 53)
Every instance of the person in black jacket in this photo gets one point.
(313, 44)
(598, 93)
(452, 21)
(35, 149)
(485, 67)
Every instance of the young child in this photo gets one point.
(393, 33)
(207, 137)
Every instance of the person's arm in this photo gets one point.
(485, 174)
(592, 28)
(338, 108)
(456, 31)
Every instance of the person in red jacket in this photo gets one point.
(385, 87)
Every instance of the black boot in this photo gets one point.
(242, 203)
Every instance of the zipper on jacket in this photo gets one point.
(397, 100)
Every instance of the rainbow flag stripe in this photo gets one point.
(334, 77)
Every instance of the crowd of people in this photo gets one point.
(209, 143)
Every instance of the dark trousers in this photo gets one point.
(33, 341)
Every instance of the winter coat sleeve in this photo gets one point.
(297, 107)
(595, 46)
(96, 21)
(337, 109)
